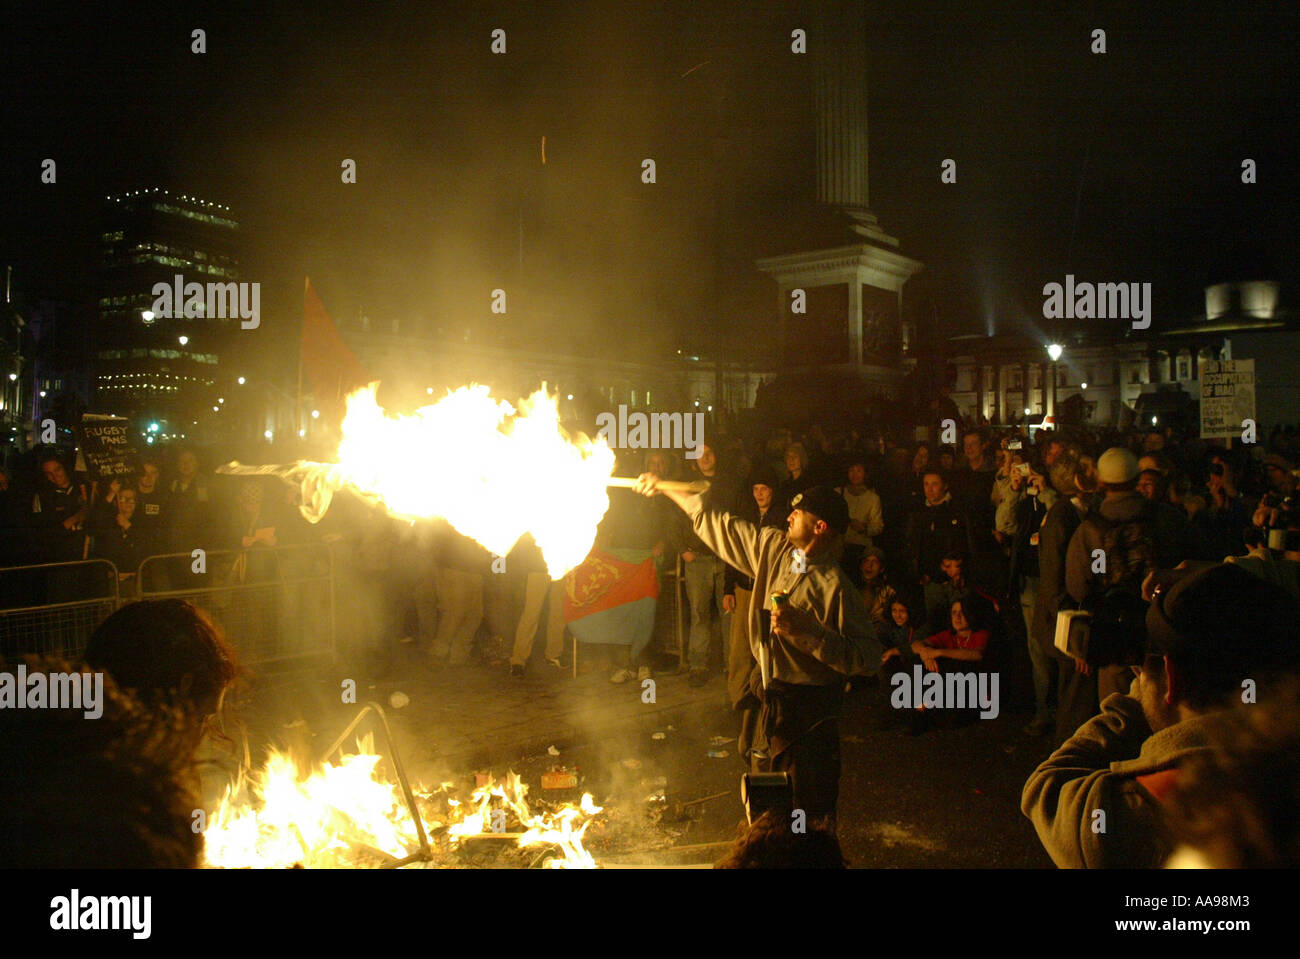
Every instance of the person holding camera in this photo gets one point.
(1215, 638)
(1021, 515)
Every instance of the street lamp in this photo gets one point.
(1054, 351)
(183, 340)
(240, 381)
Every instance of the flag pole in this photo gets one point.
(297, 410)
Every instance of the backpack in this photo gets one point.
(1118, 627)
(1130, 548)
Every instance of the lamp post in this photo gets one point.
(1054, 352)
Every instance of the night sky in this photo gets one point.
(1122, 167)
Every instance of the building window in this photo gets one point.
(1184, 365)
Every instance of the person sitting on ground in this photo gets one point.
(897, 636)
(896, 639)
(965, 640)
(877, 591)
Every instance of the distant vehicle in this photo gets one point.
(1167, 405)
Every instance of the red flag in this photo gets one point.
(604, 581)
(331, 367)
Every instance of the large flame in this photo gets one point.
(491, 471)
(341, 813)
(314, 819)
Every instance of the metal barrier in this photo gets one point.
(55, 606)
(273, 604)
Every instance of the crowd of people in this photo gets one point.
(895, 556)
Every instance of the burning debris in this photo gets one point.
(346, 814)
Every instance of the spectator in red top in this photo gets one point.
(964, 641)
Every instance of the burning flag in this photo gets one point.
(493, 472)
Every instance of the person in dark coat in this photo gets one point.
(1075, 481)
(935, 530)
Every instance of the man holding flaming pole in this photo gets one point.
(806, 646)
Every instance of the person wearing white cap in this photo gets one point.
(1135, 537)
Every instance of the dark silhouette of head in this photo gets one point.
(117, 791)
(166, 649)
(772, 843)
